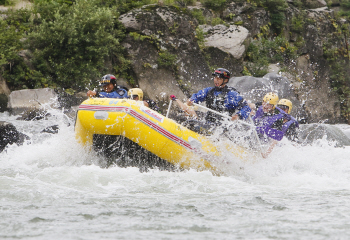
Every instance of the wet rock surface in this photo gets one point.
(10, 135)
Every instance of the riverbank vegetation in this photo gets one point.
(68, 43)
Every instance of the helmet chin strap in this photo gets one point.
(223, 83)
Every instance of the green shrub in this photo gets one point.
(198, 14)
(262, 52)
(184, 3)
(257, 64)
(338, 60)
(217, 21)
(297, 24)
(7, 2)
(125, 6)
(216, 5)
(276, 9)
(277, 22)
(71, 46)
(344, 9)
(10, 42)
(166, 59)
(200, 36)
(345, 4)
(12, 30)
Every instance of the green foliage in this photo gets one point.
(258, 62)
(12, 30)
(262, 52)
(216, 5)
(297, 24)
(200, 35)
(345, 4)
(7, 2)
(198, 14)
(138, 37)
(338, 59)
(217, 21)
(125, 6)
(48, 9)
(166, 59)
(72, 46)
(276, 5)
(345, 9)
(185, 3)
(277, 21)
(276, 9)
(10, 42)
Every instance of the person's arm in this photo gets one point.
(199, 97)
(253, 108)
(269, 150)
(185, 107)
(91, 93)
(236, 102)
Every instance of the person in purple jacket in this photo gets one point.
(110, 88)
(273, 121)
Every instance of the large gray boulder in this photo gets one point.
(253, 89)
(233, 40)
(29, 101)
(10, 135)
(311, 133)
(315, 4)
(157, 32)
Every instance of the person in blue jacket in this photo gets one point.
(221, 98)
(110, 88)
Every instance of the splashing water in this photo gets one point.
(52, 188)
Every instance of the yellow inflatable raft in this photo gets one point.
(152, 131)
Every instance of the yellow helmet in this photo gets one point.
(135, 91)
(285, 102)
(271, 98)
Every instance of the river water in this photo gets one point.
(51, 188)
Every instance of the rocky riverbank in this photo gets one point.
(172, 52)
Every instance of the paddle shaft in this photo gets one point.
(242, 122)
(223, 115)
(167, 114)
(256, 135)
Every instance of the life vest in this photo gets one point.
(217, 103)
(290, 120)
(289, 123)
(265, 122)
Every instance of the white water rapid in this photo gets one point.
(50, 188)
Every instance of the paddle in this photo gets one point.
(223, 115)
(256, 134)
(251, 125)
(171, 101)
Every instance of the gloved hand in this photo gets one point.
(173, 97)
